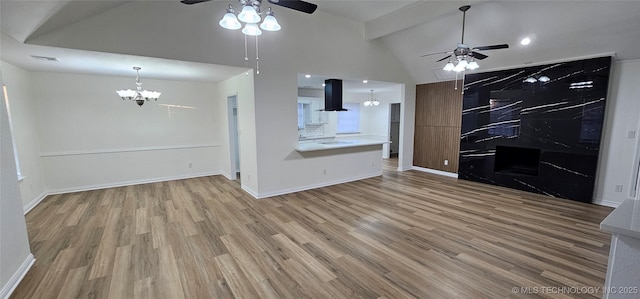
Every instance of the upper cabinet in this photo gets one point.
(310, 111)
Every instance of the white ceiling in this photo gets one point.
(559, 30)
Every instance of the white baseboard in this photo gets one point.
(35, 202)
(438, 172)
(313, 186)
(250, 191)
(604, 202)
(15, 279)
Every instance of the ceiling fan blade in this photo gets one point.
(298, 5)
(493, 47)
(444, 58)
(189, 2)
(436, 53)
(478, 55)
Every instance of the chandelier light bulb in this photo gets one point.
(544, 79)
(472, 65)
(376, 102)
(459, 67)
(229, 21)
(367, 103)
(249, 15)
(251, 29)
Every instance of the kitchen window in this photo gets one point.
(349, 121)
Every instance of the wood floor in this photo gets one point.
(402, 235)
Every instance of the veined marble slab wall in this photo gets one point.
(536, 129)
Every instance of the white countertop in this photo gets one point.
(333, 144)
(624, 220)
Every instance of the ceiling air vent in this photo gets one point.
(45, 58)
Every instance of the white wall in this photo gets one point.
(619, 153)
(320, 43)
(90, 138)
(241, 86)
(23, 112)
(15, 254)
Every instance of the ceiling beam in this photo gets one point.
(411, 15)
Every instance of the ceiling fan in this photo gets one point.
(463, 55)
(298, 5)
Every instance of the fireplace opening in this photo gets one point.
(516, 160)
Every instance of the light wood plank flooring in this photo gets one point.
(401, 235)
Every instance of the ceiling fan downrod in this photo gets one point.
(464, 9)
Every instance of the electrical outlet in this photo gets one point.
(324, 171)
(618, 188)
(631, 134)
(446, 162)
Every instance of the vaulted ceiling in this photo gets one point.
(559, 29)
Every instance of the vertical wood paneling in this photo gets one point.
(437, 131)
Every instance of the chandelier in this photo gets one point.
(138, 95)
(371, 101)
(250, 15)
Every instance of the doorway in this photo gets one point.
(234, 144)
(394, 130)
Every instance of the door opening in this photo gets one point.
(394, 130)
(234, 144)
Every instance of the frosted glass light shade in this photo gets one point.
(449, 66)
(376, 103)
(126, 93)
(249, 15)
(270, 24)
(150, 95)
(472, 65)
(367, 103)
(462, 63)
(229, 21)
(544, 79)
(251, 29)
(459, 67)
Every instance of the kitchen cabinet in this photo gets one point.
(312, 110)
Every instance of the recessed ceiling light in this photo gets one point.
(46, 58)
(365, 81)
(525, 41)
(307, 76)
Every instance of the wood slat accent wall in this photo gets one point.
(437, 131)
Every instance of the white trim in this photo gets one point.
(312, 186)
(35, 202)
(438, 172)
(125, 150)
(15, 279)
(606, 202)
(250, 191)
(130, 183)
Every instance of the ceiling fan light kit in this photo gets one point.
(250, 14)
(464, 57)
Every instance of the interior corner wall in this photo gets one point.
(24, 119)
(14, 244)
(437, 126)
(90, 138)
(620, 151)
(242, 87)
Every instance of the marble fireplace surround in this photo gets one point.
(522, 131)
